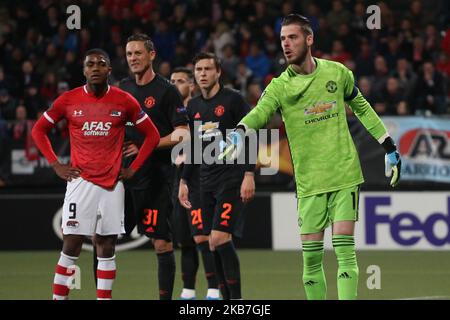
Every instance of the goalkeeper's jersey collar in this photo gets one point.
(292, 73)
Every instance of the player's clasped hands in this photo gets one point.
(66, 171)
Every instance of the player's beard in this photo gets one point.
(143, 70)
(302, 56)
(211, 85)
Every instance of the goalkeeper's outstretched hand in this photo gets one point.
(393, 165)
(231, 149)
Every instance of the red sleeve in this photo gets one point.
(45, 123)
(39, 134)
(58, 109)
(146, 127)
(134, 111)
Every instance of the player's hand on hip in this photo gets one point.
(393, 165)
(129, 149)
(126, 173)
(231, 149)
(248, 187)
(66, 171)
(183, 195)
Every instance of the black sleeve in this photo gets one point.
(188, 167)
(389, 145)
(187, 171)
(240, 109)
(173, 105)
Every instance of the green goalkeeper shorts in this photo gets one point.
(316, 213)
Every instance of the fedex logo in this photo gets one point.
(405, 227)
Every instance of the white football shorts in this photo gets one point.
(90, 209)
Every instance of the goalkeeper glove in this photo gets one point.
(392, 161)
(231, 149)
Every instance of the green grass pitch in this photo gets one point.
(265, 275)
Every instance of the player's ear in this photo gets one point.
(309, 40)
(152, 55)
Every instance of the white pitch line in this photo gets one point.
(427, 298)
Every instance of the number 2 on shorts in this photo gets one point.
(226, 214)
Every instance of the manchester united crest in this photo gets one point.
(331, 86)
(149, 102)
(219, 110)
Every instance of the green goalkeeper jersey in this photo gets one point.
(313, 110)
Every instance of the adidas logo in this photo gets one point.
(344, 275)
(224, 223)
(197, 116)
(150, 229)
(310, 283)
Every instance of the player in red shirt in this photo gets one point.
(94, 202)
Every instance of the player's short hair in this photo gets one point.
(207, 55)
(148, 43)
(186, 71)
(300, 20)
(100, 52)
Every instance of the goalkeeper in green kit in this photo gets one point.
(311, 95)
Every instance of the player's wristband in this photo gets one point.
(389, 145)
(240, 127)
